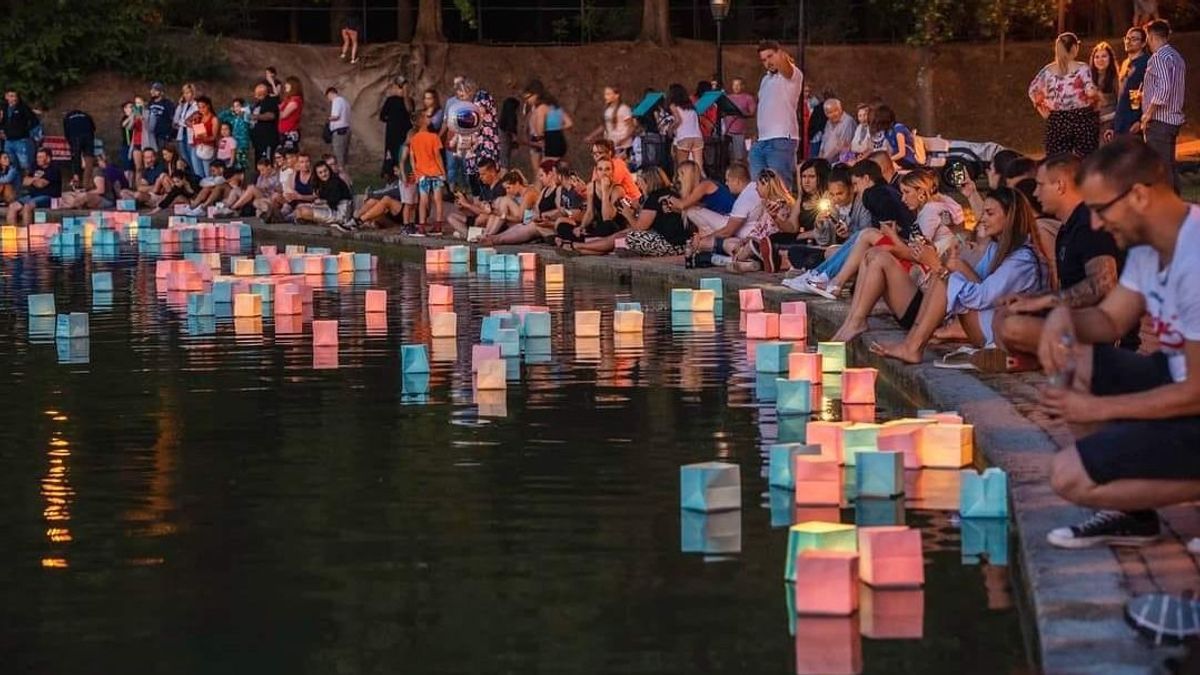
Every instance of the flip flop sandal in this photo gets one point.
(959, 359)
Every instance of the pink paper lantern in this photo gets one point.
(903, 436)
(436, 256)
(818, 481)
(826, 583)
(268, 250)
(751, 299)
(287, 301)
(804, 366)
(824, 513)
(858, 385)
(891, 557)
(828, 646)
(892, 613)
(376, 300)
(762, 326)
(441, 295)
(793, 327)
(527, 261)
(483, 352)
(377, 323)
(325, 333)
(796, 307)
(858, 412)
(325, 358)
(280, 265)
(828, 435)
(312, 264)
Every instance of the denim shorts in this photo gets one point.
(428, 185)
(38, 201)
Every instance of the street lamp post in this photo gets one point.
(720, 10)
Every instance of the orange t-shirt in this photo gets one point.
(425, 147)
(622, 177)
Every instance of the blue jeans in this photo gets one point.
(188, 153)
(21, 152)
(834, 263)
(456, 175)
(778, 154)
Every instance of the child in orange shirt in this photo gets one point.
(425, 150)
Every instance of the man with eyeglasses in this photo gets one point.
(1136, 417)
(1131, 74)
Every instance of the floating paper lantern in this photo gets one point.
(510, 342)
(795, 307)
(817, 536)
(858, 438)
(710, 486)
(325, 333)
(892, 613)
(313, 265)
(376, 300)
(947, 446)
(243, 267)
(443, 325)
(441, 295)
(222, 291)
(414, 360)
(703, 300)
(365, 262)
(537, 325)
(890, 557)
(587, 323)
(483, 352)
(628, 321)
(905, 438)
(984, 495)
(718, 533)
(41, 304)
(762, 326)
(681, 299)
(772, 357)
(833, 356)
(804, 366)
(828, 435)
(827, 583)
(288, 301)
(491, 374)
(750, 299)
(818, 480)
(793, 327)
(858, 412)
(458, 255)
(793, 397)
(879, 474)
(70, 326)
(554, 273)
(780, 458)
(436, 256)
(715, 285)
(940, 417)
(858, 385)
(483, 257)
(527, 261)
(247, 305)
(628, 306)
(200, 304)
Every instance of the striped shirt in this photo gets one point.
(1163, 86)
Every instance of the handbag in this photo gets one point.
(327, 133)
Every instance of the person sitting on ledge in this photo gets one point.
(1136, 417)
(1012, 263)
(657, 230)
(556, 204)
(604, 218)
(704, 202)
(472, 210)
(515, 207)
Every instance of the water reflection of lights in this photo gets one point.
(57, 493)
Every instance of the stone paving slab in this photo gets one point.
(1077, 597)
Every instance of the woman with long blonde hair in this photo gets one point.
(1064, 94)
(704, 203)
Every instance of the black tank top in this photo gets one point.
(549, 201)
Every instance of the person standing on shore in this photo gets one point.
(778, 127)
(339, 125)
(396, 115)
(1130, 75)
(735, 125)
(264, 117)
(1162, 95)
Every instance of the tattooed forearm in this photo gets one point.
(1101, 278)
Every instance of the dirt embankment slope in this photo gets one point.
(977, 96)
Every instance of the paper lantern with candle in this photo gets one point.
(491, 374)
(772, 357)
(483, 257)
(587, 323)
(509, 341)
(200, 304)
(482, 352)
(817, 536)
(458, 255)
(554, 273)
(793, 327)
(288, 301)
(376, 300)
(325, 333)
(441, 295)
(536, 324)
(243, 267)
(710, 486)
(828, 435)
(628, 321)
(793, 397)
(718, 533)
(41, 304)
(70, 326)
(858, 385)
(414, 359)
(527, 261)
(681, 299)
(750, 299)
(890, 557)
(827, 583)
(940, 417)
(795, 307)
(858, 438)
(436, 256)
(780, 458)
(443, 325)
(879, 474)
(905, 438)
(715, 285)
(984, 495)
(762, 326)
(804, 366)
(703, 300)
(818, 480)
(247, 305)
(833, 356)
(947, 446)
(365, 262)
(102, 281)
(628, 306)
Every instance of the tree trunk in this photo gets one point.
(656, 22)
(338, 11)
(404, 20)
(925, 101)
(294, 26)
(429, 22)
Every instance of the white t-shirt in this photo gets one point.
(935, 220)
(749, 206)
(689, 124)
(778, 98)
(616, 125)
(1171, 298)
(340, 108)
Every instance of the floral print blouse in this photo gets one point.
(1054, 92)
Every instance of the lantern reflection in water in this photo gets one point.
(57, 493)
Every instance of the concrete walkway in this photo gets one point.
(1077, 598)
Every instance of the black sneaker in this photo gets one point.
(340, 227)
(1114, 528)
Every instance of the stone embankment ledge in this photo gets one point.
(1075, 598)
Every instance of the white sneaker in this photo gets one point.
(196, 211)
(798, 283)
(819, 278)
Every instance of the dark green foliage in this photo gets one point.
(51, 44)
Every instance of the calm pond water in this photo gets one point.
(186, 498)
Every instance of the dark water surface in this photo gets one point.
(184, 502)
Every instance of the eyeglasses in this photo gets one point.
(1099, 209)
(1133, 38)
